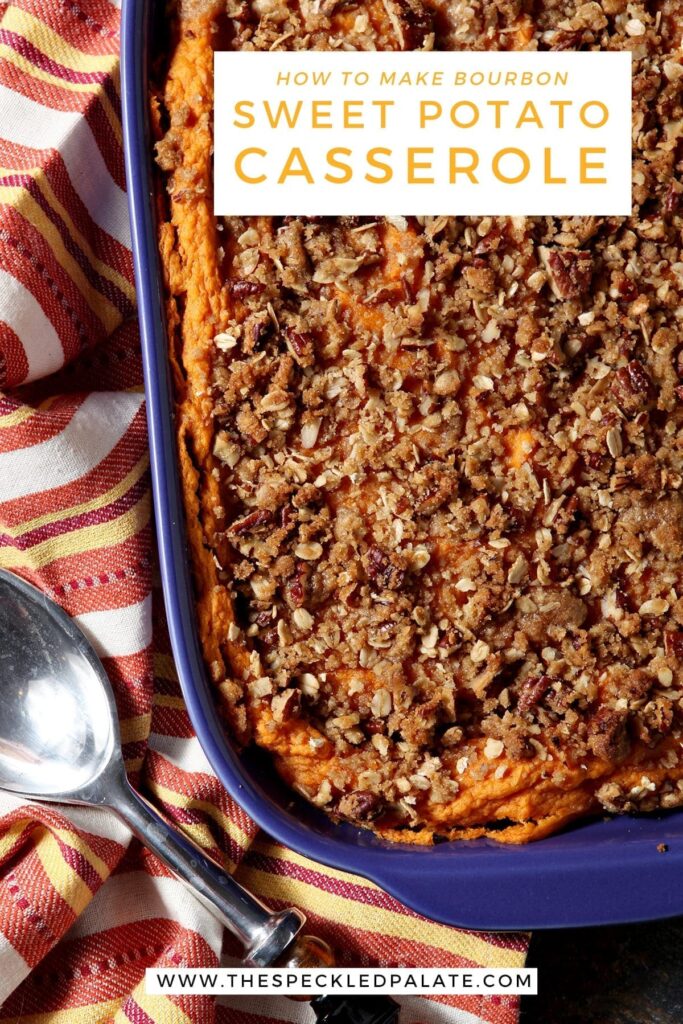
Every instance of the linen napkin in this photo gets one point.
(84, 909)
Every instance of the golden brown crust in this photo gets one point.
(432, 466)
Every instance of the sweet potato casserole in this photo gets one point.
(433, 466)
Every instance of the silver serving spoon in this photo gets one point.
(59, 741)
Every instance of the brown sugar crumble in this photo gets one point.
(433, 466)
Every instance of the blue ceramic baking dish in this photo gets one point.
(601, 872)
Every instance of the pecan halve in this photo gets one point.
(296, 585)
(300, 344)
(256, 519)
(631, 386)
(673, 643)
(242, 289)
(532, 691)
(569, 271)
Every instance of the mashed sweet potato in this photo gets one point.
(432, 466)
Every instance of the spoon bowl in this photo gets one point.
(58, 728)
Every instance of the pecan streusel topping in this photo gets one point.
(433, 466)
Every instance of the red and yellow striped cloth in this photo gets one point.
(83, 908)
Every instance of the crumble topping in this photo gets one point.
(439, 459)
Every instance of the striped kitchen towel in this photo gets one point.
(83, 908)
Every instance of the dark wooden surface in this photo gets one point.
(620, 975)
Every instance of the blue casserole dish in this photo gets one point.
(600, 872)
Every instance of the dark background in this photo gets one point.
(629, 974)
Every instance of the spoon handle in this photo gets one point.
(264, 935)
